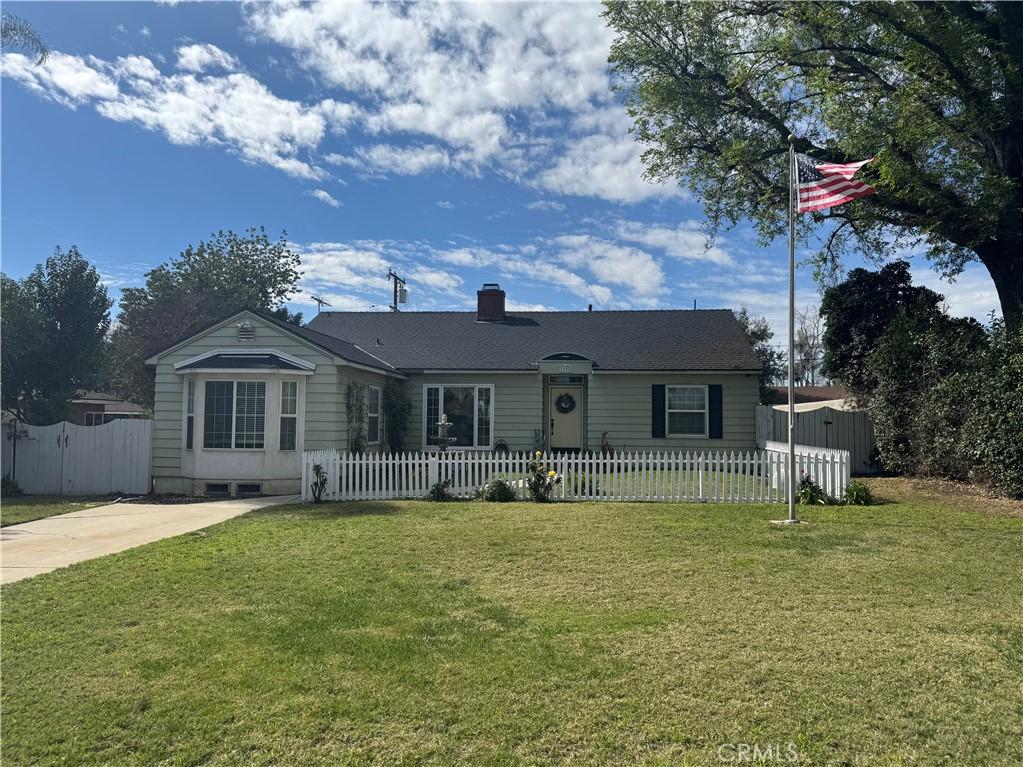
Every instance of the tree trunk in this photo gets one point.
(1004, 262)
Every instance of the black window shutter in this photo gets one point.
(716, 430)
(657, 417)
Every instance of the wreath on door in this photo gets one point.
(565, 403)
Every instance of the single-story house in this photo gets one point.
(95, 408)
(237, 403)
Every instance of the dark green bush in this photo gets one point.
(857, 494)
(996, 427)
(810, 493)
(10, 488)
(498, 491)
(439, 491)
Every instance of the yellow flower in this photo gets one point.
(552, 474)
(538, 453)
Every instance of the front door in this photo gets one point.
(565, 405)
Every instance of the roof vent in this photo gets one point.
(490, 303)
(246, 332)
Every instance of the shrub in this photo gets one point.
(812, 494)
(858, 494)
(996, 428)
(10, 488)
(439, 491)
(319, 482)
(498, 491)
(541, 480)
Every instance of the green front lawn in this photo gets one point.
(24, 508)
(487, 634)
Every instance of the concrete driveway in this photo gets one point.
(38, 547)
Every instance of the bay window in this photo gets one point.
(234, 414)
(469, 409)
(687, 411)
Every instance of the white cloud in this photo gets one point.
(686, 241)
(384, 158)
(519, 89)
(603, 165)
(434, 278)
(545, 205)
(445, 204)
(519, 306)
(137, 67)
(614, 264)
(144, 31)
(201, 57)
(68, 80)
(972, 294)
(522, 87)
(325, 197)
(234, 110)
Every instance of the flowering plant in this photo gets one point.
(542, 479)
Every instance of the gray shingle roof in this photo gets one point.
(339, 346)
(705, 339)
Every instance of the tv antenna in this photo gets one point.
(400, 293)
(320, 302)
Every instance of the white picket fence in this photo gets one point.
(722, 477)
(68, 459)
(828, 467)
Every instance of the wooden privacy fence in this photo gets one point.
(724, 477)
(68, 459)
(825, 427)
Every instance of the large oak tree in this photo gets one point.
(933, 90)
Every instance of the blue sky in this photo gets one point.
(458, 144)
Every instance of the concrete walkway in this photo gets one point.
(38, 547)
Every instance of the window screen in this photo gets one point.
(219, 407)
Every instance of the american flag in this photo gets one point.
(825, 185)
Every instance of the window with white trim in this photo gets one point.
(190, 416)
(469, 409)
(234, 414)
(289, 415)
(373, 415)
(94, 418)
(686, 411)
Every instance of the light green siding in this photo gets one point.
(323, 419)
(620, 404)
(518, 400)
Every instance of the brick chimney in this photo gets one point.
(490, 303)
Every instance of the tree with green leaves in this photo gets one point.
(759, 333)
(933, 90)
(54, 327)
(205, 283)
(17, 34)
(857, 313)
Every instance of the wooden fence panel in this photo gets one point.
(68, 459)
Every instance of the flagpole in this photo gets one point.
(790, 469)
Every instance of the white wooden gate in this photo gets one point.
(67, 459)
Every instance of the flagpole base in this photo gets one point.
(787, 522)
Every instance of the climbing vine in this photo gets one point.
(355, 415)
